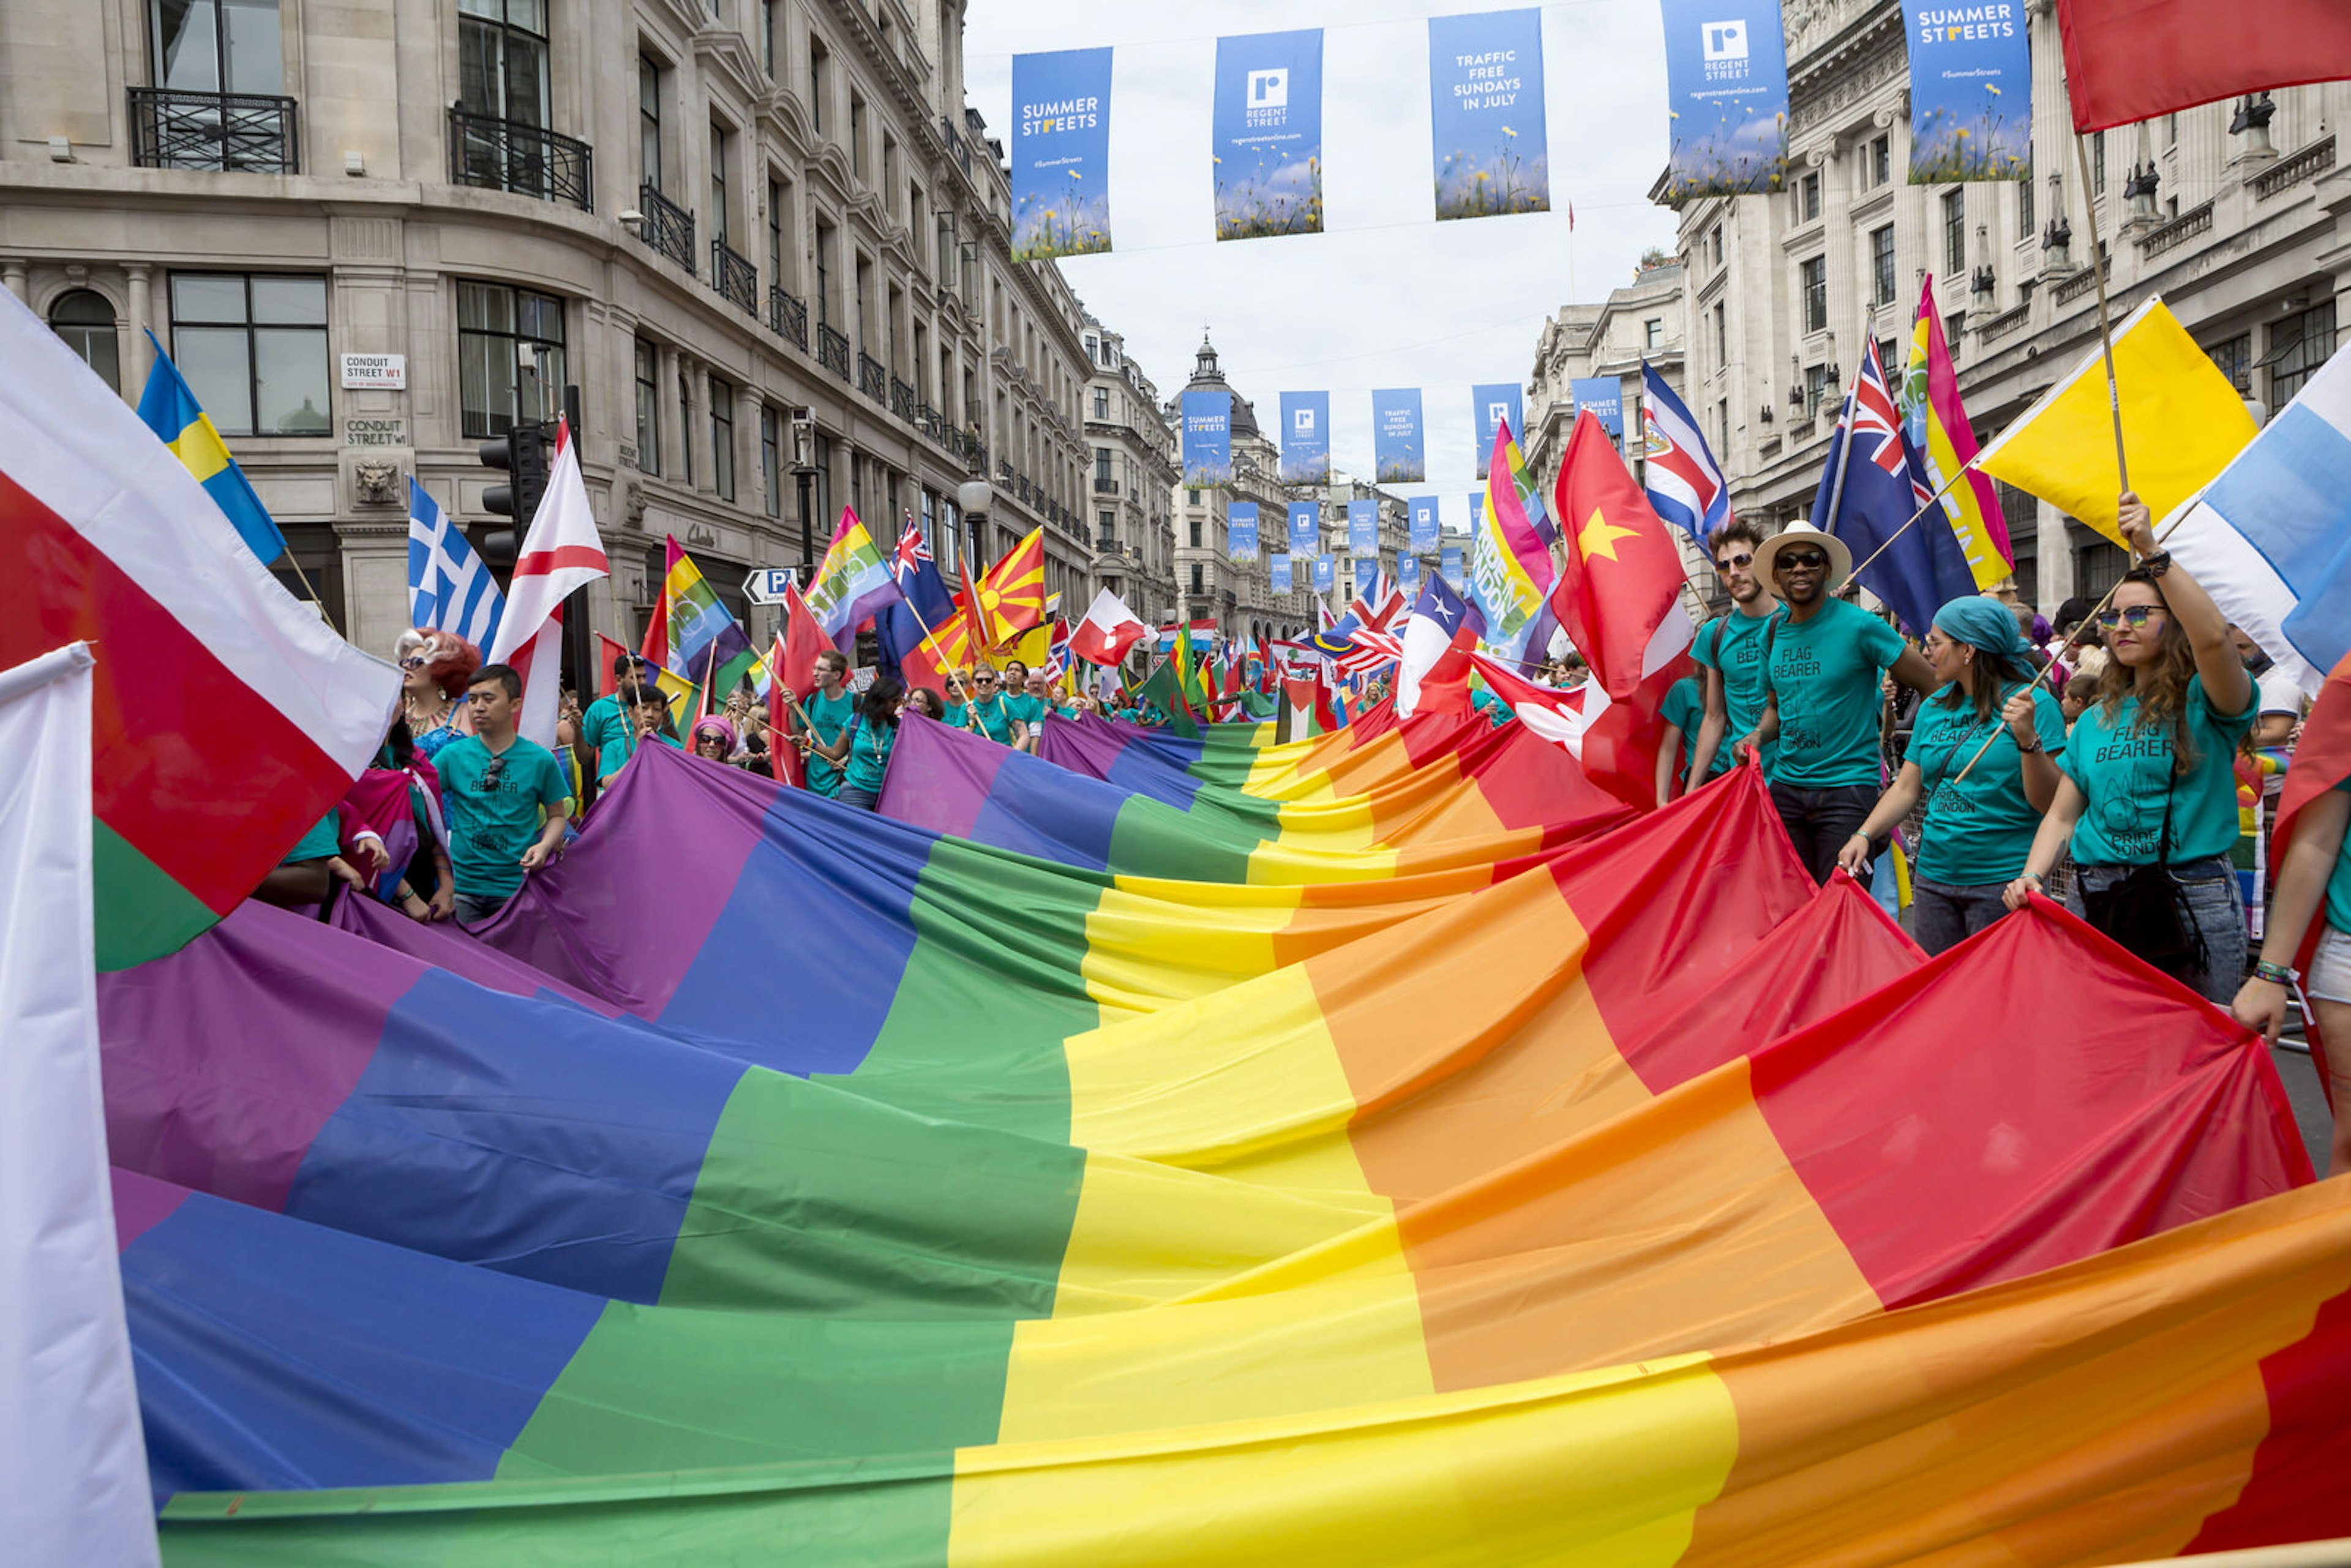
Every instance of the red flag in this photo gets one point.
(655, 650)
(783, 756)
(1616, 742)
(801, 641)
(1618, 595)
(1108, 630)
(2134, 59)
(2321, 763)
(606, 651)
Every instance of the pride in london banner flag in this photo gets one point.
(1267, 134)
(1511, 567)
(1398, 449)
(1487, 138)
(1970, 91)
(1305, 437)
(1061, 153)
(1240, 530)
(1207, 438)
(1727, 85)
(1493, 408)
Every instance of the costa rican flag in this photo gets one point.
(1685, 482)
(449, 588)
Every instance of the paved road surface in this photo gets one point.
(2309, 1101)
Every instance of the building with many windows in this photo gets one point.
(373, 236)
(2232, 212)
(1209, 583)
(1134, 476)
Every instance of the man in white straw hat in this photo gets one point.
(1822, 657)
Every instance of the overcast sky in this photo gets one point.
(1388, 297)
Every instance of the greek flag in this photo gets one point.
(449, 589)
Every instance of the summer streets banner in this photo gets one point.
(1363, 527)
(1449, 566)
(1489, 406)
(1486, 114)
(1605, 396)
(1397, 450)
(1306, 438)
(1061, 153)
(1240, 530)
(1727, 86)
(1268, 134)
(1424, 524)
(1326, 573)
(1207, 438)
(1305, 529)
(1280, 566)
(1970, 92)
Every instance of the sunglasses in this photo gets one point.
(413, 662)
(1799, 560)
(490, 777)
(2134, 616)
(1734, 562)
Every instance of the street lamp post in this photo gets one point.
(973, 499)
(803, 428)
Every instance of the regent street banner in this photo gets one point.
(1490, 405)
(1207, 438)
(1398, 451)
(1278, 565)
(1326, 573)
(1486, 114)
(1305, 529)
(1407, 573)
(1449, 565)
(1605, 396)
(1240, 530)
(1971, 92)
(1727, 95)
(1267, 134)
(1306, 438)
(1364, 527)
(1061, 153)
(1424, 523)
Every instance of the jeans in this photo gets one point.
(851, 796)
(2215, 902)
(1819, 822)
(474, 908)
(1942, 916)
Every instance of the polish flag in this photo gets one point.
(561, 552)
(1109, 630)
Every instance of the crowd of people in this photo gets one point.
(2122, 759)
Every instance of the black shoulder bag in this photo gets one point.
(2147, 910)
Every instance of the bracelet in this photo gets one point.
(2035, 875)
(2280, 974)
(2156, 564)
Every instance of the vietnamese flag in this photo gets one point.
(2134, 59)
(1618, 595)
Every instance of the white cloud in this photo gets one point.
(1388, 297)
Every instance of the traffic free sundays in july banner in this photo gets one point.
(1486, 114)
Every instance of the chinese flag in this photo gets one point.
(2134, 59)
(1618, 594)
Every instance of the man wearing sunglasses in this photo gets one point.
(1822, 658)
(1731, 651)
(987, 712)
(505, 797)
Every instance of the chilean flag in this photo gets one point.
(1108, 630)
(1685, 482)
(1433, 672)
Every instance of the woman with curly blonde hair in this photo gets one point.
(434, 667)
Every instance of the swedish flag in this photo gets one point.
(180, 423)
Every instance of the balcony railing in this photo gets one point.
(504, 156)
(2177, 232)
(668, 228)
(2081, 283)
(732, 277)
(1105, 486)
(902, 400)
(233, 130)
(873, 380)
(787, 316)
(927, 421)
(2287, 173)
(958, 149)
(832, 352)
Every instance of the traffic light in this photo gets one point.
(522, 454)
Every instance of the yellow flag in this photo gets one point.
(2182, 421)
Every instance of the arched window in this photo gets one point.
(86, 321)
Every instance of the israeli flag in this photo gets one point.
(449, 588)
(2271, 539)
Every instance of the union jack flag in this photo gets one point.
(1380, 606)
(913, 553)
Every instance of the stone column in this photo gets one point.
(671, 458)
(706, 477)
(12, 273)
(140, 358)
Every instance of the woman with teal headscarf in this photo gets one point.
(1981, 810)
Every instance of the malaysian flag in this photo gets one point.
(1683, 481)
(449, 588)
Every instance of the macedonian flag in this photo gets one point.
(1011, 595)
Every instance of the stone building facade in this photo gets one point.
(1132, 479)
(1209, 583)
(704, 214)
(2232, 212)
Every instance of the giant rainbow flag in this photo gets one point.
(776, 1181)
